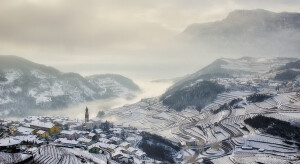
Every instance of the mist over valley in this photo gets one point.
(135, 82)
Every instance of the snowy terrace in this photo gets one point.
(52, 154)
(150, 116)
(13, 158)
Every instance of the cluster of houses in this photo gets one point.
(120, 144)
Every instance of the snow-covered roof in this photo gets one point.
(118, 151)
(58, 120)
(124, 144)
(116, 130)
(179, 156)
(131, 149)
(75, 125)
(25, 130)
(66, 141)
(104, 140)
(9, 142)
(30, 138)
(68, 132)
(26, 125)
(115, 139)
(41, 132)
(42, 124)
(82, 132)
(103, 145)
(86, 140)
(130, 139)
(91, 134)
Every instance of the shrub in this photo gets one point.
(94, 150)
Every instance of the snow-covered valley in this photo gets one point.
(223, 130)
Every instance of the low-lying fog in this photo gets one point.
(149, 89)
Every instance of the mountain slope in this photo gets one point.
(227, 67)
(25, 86)
(114, 84)
(249, 21)
(200, 88)
(289, 71)
(249, 32)
(197, 95)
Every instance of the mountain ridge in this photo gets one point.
(259, 16)
(208, 76)
(25, 85)
(248, 32)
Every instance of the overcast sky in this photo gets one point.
(114, 36)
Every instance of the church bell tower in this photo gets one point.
(86, 115)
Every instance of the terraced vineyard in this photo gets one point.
(215, 135)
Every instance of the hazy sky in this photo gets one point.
(129, 37)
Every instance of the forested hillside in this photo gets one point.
(198, 95)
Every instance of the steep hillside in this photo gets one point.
(196, 95)
(25, 86)
(198, 90)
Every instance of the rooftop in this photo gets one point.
(42, 124)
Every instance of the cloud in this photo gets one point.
(110, 33)
(75, 25)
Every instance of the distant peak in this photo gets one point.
(242, 11)
(247, 58)
(13, 57)
(237, 14)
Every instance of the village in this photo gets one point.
(46, 139)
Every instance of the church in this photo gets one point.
(90, 124)
(86, 115)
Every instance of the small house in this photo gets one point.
(125, 145)
(42, 134)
